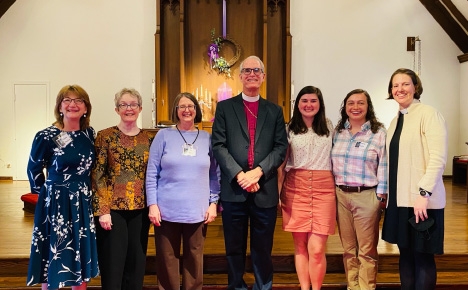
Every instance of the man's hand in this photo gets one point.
(247, 179)
(254, 188)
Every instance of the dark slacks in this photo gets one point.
(168, 239)
(122, 250)
(236, 216)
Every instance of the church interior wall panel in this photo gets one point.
(184, 37)
(275, 58)
(169, 60)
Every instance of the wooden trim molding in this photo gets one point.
(445, 19)
(5, 5)
(456, 13)
(463, 58)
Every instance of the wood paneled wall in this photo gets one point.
(259, 27)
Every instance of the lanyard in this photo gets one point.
(198, 132)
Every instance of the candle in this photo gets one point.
(224, 92)
(153, 103)
(293, 99)
(196, 94)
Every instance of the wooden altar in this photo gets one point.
(183, 34)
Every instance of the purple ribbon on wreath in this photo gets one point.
(213, 53)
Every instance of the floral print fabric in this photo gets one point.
(120, 170)
(63, 248)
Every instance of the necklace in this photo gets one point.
(249, 110)
(198, 132)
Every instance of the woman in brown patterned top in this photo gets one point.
(121, 215)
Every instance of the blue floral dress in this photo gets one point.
(63, 248)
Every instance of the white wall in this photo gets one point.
(338, 46)
(101, 45)
(342, 45)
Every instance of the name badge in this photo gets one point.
(62, 140)
(361, 145)
(189, 150)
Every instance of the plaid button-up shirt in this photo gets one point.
(360, 159)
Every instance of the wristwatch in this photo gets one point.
(424, 192)
(381, 199)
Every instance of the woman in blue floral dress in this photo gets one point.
(63, 249)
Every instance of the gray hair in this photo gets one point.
(262, 66)
(124, 91)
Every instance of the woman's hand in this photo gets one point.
(420, 208)
(383, 202)
(154, 215)
(211, 213)
(105, 221)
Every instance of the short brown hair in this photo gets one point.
(175, 117)
(80, 93)
(414, 77)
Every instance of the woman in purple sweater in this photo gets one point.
(182, 187)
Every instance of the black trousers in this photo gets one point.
(417, 270)
(122, 250)
(236, 218)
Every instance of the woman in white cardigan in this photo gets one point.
(417, 153)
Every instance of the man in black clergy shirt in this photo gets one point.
(249, 143)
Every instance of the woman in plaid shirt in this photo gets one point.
(360, 170)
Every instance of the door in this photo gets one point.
(31, 111)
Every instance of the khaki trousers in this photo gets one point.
(358, 224)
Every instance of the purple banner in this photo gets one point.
(224, 18)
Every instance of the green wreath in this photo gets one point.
(217, 62)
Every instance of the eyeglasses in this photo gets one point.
(183, 107)
(126, 106)
(68, 101)
(257, 71)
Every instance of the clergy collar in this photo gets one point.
(250, 99)
(405, 110)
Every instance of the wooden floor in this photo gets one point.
(17, 225)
